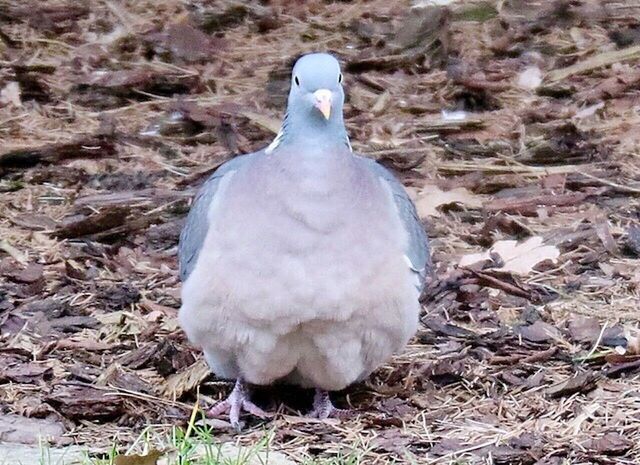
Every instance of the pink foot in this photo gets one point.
(233, 405)
(323, 408)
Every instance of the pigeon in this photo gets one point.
(303, 262)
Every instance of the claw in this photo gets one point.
(323, 408)
(233, 405)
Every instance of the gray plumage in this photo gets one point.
(418, 250)
(302, 262)
(196, 226)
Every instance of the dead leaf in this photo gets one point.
(516, 258)
(430, 198)
(535, 380)
(151, 458)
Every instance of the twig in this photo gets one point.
(525, 170)
(533, 358)
(631, 190)
(596, 61)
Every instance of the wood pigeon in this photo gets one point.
(302, 262)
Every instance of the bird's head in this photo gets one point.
(316, 87)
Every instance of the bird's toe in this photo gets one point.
(219, 409)
(323, 408)
(254, 410)
(237, 402)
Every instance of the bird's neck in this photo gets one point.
(317, 133)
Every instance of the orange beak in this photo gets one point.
(323, 102)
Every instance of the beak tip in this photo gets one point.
(323, 102)
(325, 109)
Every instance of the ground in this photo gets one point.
(507, 120)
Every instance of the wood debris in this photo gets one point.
(511, 257)
(521, 145)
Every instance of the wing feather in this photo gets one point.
(195, 229)
(417, 253)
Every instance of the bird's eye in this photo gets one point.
(340, 78)
(297, 81)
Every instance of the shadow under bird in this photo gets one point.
(302, 262)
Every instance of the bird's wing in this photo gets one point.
(417, 252)
(197, 224)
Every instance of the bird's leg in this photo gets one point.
(237, 401)
(323, 408)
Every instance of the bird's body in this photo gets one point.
(302, 262)
(287, 286)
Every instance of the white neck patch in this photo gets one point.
(274, 144)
